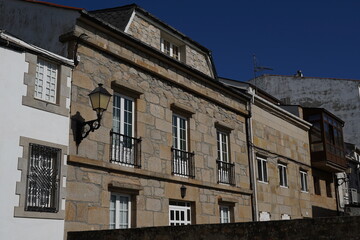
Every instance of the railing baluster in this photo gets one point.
(182, 163)
(125, 150)
(226, 172)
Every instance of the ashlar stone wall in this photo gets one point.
(279, 141)
(158, 86)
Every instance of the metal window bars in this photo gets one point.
(125, 150)
(43, 179)
(226, 172)
(183, 163)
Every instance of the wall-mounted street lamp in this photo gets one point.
(99, 98)
(182, 191)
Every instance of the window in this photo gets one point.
(282, 175)
(303, 180)
(328, 189)
(46, 81)
(120, 211)
(182, 159)
(262, 170)
(222, 146)
(170, 49)
(264, 216)
(226, 172)
(225, 216)
(317, 188)
(179, 213)
(43, 179)
(124, 148)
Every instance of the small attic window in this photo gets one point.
(170, 49)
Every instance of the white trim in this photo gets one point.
(225, 214)
(35, 48)
(220, 143)
(184, 214)
(178, 118)
(130, 21)
(117, 208)
(263, 171)
(284, 175)
(303, 181)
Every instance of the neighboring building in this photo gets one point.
(339, 96)
(349, 183)
(281, 157)
(172, 147)
(34, 142)
(327, 158)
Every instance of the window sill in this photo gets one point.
(304, 191)
(284, 186)
(263, 182)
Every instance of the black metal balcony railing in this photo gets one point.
(183, 163)
(226, 172)
(125, 150)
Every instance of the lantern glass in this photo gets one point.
(99, 98)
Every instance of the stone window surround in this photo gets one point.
(63, 90)
(128, 90)
(19, 211)
(228, 202)
(127, 189)
(173, 41)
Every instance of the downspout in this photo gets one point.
(336, 194)
(251, 155)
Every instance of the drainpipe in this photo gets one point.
(251, 155)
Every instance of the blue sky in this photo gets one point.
(320, 37)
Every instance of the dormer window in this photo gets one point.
(170, 49)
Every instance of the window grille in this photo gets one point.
(43, 179)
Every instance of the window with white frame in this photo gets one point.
(120, 211)
(182, 159)
(46, 78)
(170, 49)
(222, 146)
(262, 169)
(179, 126)
(282, 175)
(43, 179)
(225, 216)
(303, 181)
(123, 141)
(179, 213)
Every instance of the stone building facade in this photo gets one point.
(281, 158)
(162, 90)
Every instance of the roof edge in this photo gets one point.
(54, 5)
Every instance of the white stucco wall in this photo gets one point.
(17, 120)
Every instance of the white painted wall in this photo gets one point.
(17, 120)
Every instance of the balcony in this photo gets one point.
(125, 150)
(326, 140)
(182, 163)
(226, 172)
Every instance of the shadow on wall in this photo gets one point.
(323, 212)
